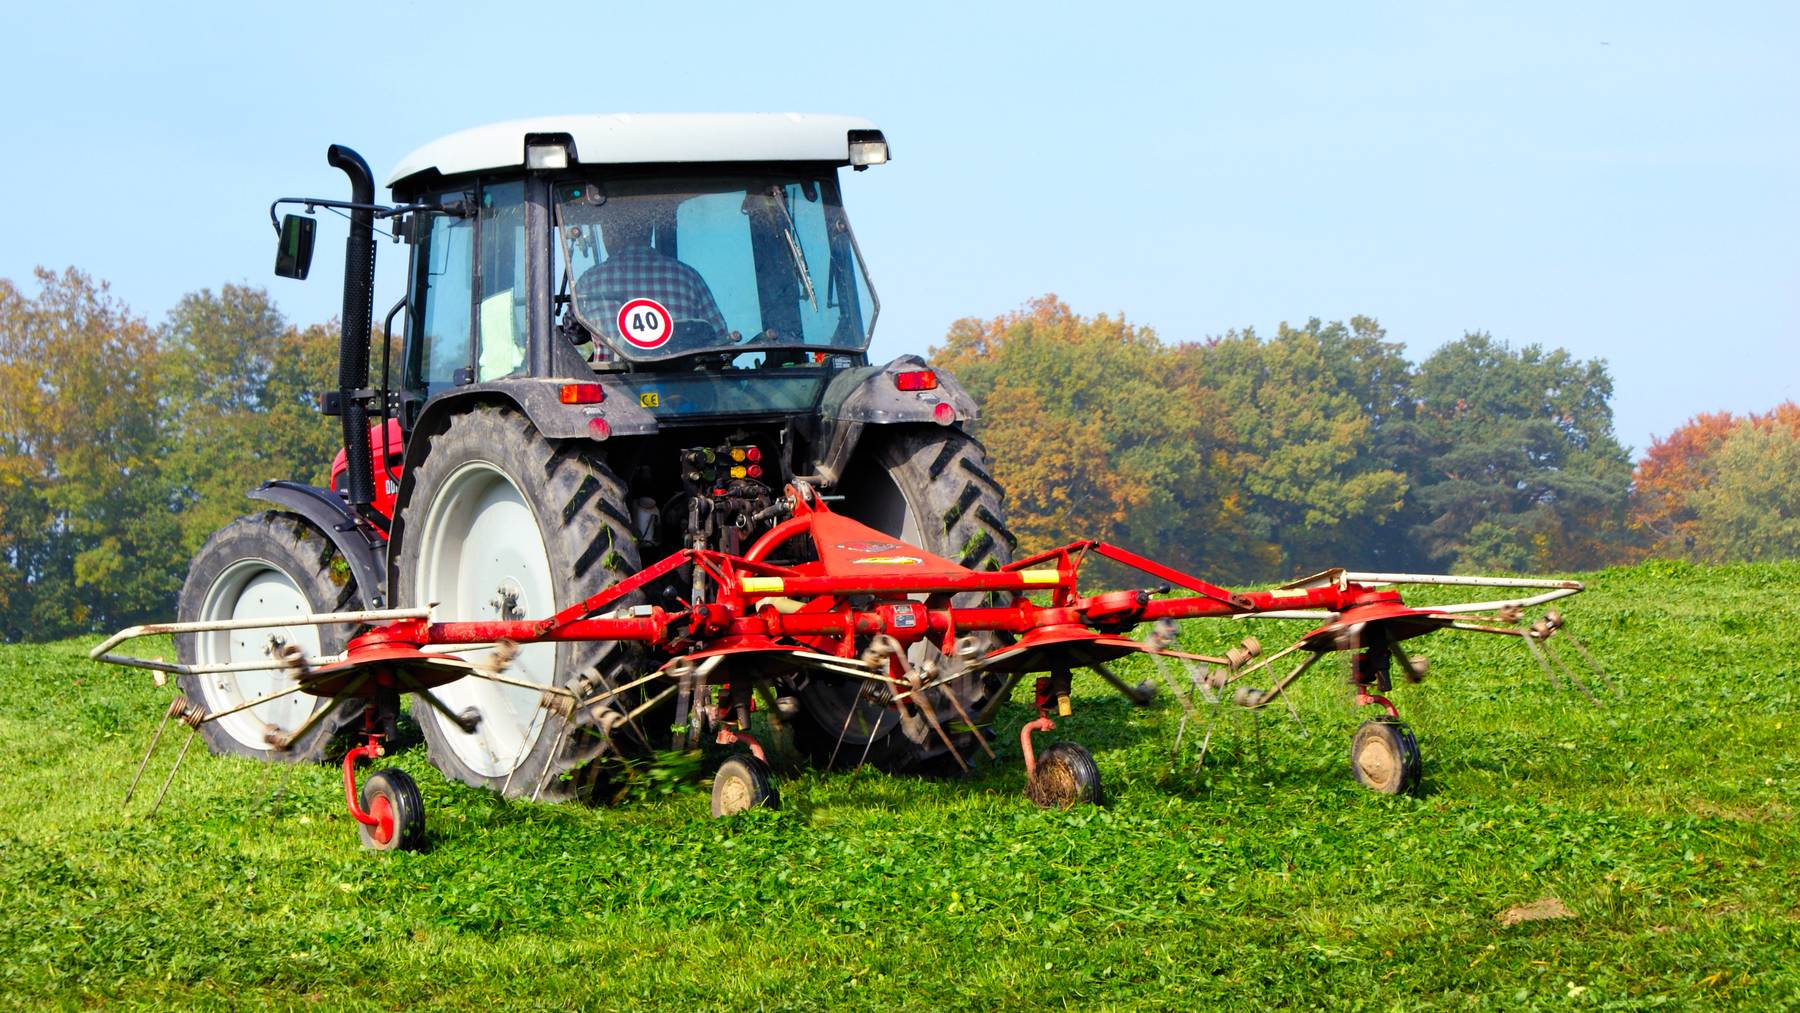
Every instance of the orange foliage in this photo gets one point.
(1684, 461)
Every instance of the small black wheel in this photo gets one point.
(391, 796)
(1384, 756)
(743, 782)
(1066, 776)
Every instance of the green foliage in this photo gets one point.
(1751, 509)
(90, 537)
(1665, 825)
(1304, 410)
(241, 403)
(1516, 459)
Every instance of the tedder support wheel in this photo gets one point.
(743, 782)
(1066, 776)
(928, 487)
(1384, 756)
(393, 799)
(498, 522)
(271, 565)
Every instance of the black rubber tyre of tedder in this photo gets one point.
(1384, 756)
(397, 787)
(743, 782)
(1066, 776)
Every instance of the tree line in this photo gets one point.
(1255, 457)
(124, 443)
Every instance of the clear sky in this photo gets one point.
(1619, 179)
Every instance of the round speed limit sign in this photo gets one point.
(645, 323)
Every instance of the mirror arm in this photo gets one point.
(458, 208)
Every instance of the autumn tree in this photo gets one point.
(1720, 487)
(1090, 435)
(90, 532)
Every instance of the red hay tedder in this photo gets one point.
(632, 338)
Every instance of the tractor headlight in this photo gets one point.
(867, 147)
(547, 156)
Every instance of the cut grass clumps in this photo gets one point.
(1642, 854)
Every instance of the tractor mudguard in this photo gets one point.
(330, 513)
(868, 396)
(540, 398)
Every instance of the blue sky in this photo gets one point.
(1619, 179)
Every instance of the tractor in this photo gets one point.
(621, 336)
(631, 476)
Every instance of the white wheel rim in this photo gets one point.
(255, 589)
(481, 556)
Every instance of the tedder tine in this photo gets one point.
(1595, 665)
(181, 707)
(981, 738)
(1555, 658)
(849, 713)
(1141, 694)
(193, 733)
(930, 712)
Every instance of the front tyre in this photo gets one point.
(502, 524)
(272, 566)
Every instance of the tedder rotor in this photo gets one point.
(632, 473)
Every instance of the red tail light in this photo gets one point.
(583, 393)
(943, 413)
(916, 379)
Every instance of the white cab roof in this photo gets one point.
(620, 138)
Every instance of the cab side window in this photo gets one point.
(444, 296)
(501, 311)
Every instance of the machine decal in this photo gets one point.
(645, 323)
(868, 546)
(887, 561)
(649, 399)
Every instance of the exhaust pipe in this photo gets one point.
(359, 309)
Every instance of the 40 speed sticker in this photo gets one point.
(645, 323)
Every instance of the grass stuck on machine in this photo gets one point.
(633, 476)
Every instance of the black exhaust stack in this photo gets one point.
(359, 308)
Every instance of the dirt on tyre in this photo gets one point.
(498, 522)
(269, 565)
(1384, 756)
(743, 783)
(931, 487)
(1066, 776)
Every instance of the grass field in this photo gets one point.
(1663, 823)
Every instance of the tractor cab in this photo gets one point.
(633, 246)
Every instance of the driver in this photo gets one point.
(633, 269)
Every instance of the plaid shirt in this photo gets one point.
(642, 273)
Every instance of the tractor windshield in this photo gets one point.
(659, 269)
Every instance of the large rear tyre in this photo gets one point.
(500, 523)
(275, 566)
(931, 488)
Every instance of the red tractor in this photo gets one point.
(622, 336)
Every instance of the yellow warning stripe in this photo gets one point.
(760, 585)
(1040, 576)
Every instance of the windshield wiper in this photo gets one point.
(779, 197)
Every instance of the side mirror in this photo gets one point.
(293, 258)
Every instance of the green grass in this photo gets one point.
(1664, 822)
